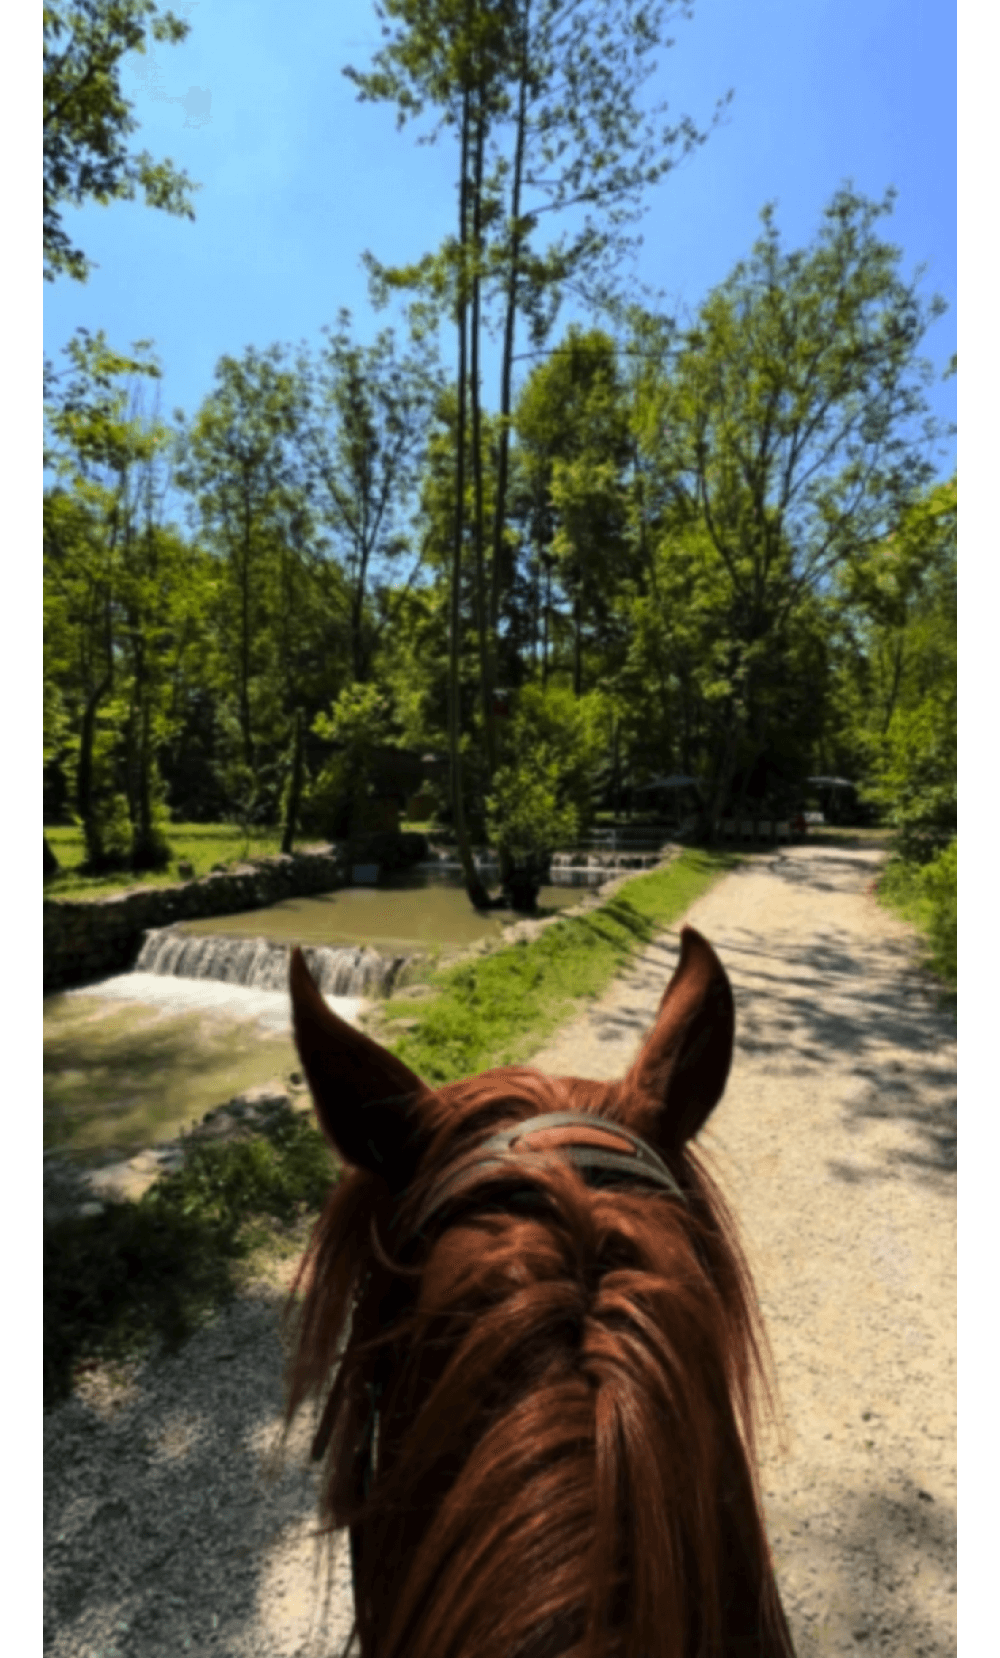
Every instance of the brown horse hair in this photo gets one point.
(567, 1456)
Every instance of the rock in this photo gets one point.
(67, 1189)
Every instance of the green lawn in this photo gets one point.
(199, 844)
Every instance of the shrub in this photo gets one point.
(939, 889)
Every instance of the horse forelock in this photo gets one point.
(567, 1459)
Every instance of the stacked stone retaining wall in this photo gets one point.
(85, 940)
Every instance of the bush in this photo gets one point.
(523, 817)
(920, 778)
(939, 885)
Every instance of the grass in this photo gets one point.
(200, 844)
(152, 1270)
(494, 1010)
(926, 896)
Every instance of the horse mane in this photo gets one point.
(567, 1457)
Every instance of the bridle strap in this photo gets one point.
(596, 1147)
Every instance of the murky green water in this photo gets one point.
(118, 1078)
(392, 918)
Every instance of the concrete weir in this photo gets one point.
(261, 965)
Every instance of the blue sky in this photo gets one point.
(298, 178)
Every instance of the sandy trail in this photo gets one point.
(836, 1143)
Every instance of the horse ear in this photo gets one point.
(366, 1099)
(681, 1072)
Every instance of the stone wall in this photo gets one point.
(87, 940)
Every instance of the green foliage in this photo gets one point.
(87, 120)
(496, 1010)
(939, 881)
(360, 720)
(328, 799)
(592, 144)
(359, 723)
(523, 816)
(151, 1270)
(897, 689)
(786, 426)
(540, 798)
(122, 591)
(790, 407)
(572, 465)
(114, 829)
(927, 895)
(684, 527)
(917, 764)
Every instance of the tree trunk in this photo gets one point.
(51, 863)
(577, 645)
(358, 663)
(545, 631)
(294, 788)
(723, 777)
(479, 535)
(506, 374)
(478, 896)
(507, 362)
(145, 854)
(485, 621)
(85, 775)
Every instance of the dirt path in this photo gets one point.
(836, 1141)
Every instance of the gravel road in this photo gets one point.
(166, 1531)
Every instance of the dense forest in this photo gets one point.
(721, 549)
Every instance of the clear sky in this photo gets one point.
(298, 178)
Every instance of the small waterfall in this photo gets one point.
(567, 869)
(585, 867)
(256, 963)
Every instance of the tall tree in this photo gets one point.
(580, 143)
(450, 56)
(119, 590)
(241, 463)
(87, 121)
(790, 422)
(572, 424)
(899, 677)
(561, 83)
(365, 428)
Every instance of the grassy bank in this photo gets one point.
(151, 1270)
(202, 845)
(927, 896)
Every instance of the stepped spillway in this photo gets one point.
(256, 963)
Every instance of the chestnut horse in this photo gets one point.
(544, 1346)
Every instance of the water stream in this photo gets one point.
(205, 1012)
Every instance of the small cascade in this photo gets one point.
(567, 870)
(587, 866)
(256, 963)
